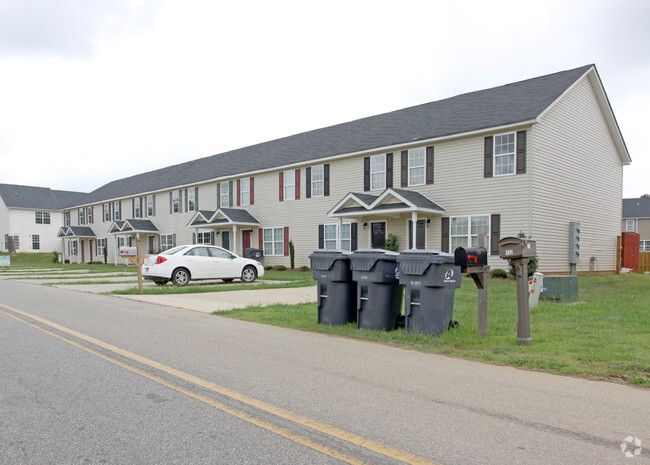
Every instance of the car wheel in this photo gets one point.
(229, 280)
(180, 277)
(249, 274)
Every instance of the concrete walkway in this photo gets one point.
(208, 302)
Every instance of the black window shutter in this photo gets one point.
(141, 209)
(405, 168)
(429, 166)
(230, 193)
(326, 181)
(218, 196)
(196, 199)
(308, 183)
(321, 236)
(170, 203)
(132, 208)
(211, 237)
(193, 238)
(445, 234)
(174, 240)
(389, 170)
(180, 201)
(187, 201)
(521, 152)
(353, 236)
(495, 234)
(487, 159)
(366, 174)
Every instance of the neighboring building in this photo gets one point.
(526, 157)
(636, 218)
(30, 217)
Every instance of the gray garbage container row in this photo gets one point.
(379, 295)
(430, 278)
(336, 292)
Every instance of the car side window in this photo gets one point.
(218, 253)
(199, 252)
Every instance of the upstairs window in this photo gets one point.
(416, 166)
(378, 172)
(176, 201)
(224, 195)
(629, 225)
(117, 210)
(245, 191)
(43, 218)
(89, 215)
(82, 216)
(318, 181)
(151, 211)
(289, 185)
(66, 218)
(107, 212)
(504, 154)
(191, 200)
(137, 208)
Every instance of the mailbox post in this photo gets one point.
(135, 256)
(473, 261)
(519, 251)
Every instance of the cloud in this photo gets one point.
(64, 28)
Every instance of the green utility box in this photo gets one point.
(560, 288)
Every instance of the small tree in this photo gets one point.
(292, 255)
(391, 243)
(105, 254)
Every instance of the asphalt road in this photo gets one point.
(96, 379)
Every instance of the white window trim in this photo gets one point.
(191, 199)
(107, 212)
(36, 240)
(315, 182)
(382, 173)
(629, 225)
(117, 210)
(224, 194)
(99, 248)
(166, 242)
(469, 235)
(147, 205)
(82, 216)
(203, 238)
(274, 240)
(176, 201)
(245, 182)
(412, 167)
(289, 187)
(338, 239)
(66, 218)
(495, 156)
(89, 215)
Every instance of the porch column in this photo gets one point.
(234, 240)
(414, 230)
(339, 233)
(115, 254)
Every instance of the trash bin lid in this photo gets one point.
(365, 259)
(323, 259)
(416, 261)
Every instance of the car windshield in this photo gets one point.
(174, 250)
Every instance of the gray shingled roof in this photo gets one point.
(636, 208)
(508, 104)
(38, 198)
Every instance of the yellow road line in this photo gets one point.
(374, 446)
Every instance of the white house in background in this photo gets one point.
(30, 217)
(528, 157)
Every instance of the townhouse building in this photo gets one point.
(528, 157)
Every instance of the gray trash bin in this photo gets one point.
(379, 295)
(336, 292)
(430, 278)
(254, 254)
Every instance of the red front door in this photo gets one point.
(246, 240)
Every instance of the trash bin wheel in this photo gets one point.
(453, 324)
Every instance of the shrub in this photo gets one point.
(292, 255)
(55, 257)
(67, 261)
(305, 268)
(391, 243)
(498, 273)
(532, 264)
(268, 267)
(279, 268)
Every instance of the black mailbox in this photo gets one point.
(470, 256)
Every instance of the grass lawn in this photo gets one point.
(606, 335)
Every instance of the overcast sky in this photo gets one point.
(93, 91)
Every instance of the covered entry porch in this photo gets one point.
(125, 233)
(78, 243)
(234, 229)
(406, 214)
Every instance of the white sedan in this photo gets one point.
(194, 262)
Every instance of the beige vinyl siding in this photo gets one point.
(643, 228)
(577, 177)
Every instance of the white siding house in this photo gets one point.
(528, 157)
